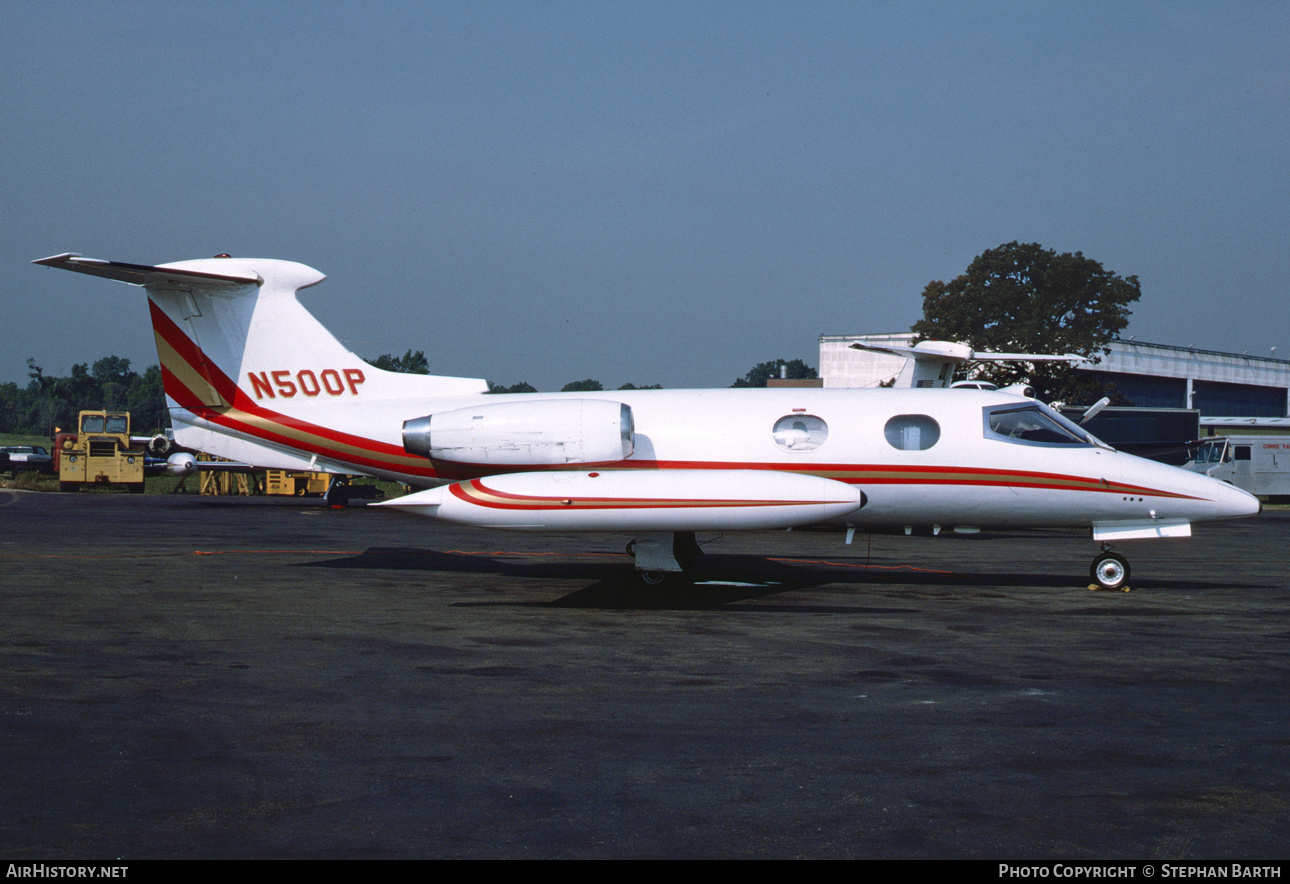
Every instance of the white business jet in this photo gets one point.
(251, 375)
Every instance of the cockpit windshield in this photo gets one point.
(1033, 424)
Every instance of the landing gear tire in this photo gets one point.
(1110, 571)
(664, 580)
(664, 557)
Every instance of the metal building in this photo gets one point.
(1228, 389)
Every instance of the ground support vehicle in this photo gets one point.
(100, 453)
(336, 488)
(295, 483)
(1253, 463)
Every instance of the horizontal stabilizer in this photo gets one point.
(146, 274)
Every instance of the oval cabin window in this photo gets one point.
(912, 432)
(800, 432)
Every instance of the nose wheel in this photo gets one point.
(1110, 571)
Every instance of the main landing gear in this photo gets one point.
(663, 555)
(1110, 570)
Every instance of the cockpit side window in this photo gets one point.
(1032, 425)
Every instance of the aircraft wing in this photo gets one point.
(146, 274)
(955, 352)
(938, 350)
(1072, 358)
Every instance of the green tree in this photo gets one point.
(583, 386)
(38, 380)
(80, 390)
(759, 374)
(36, 411)
(114, 377)
(49, 402)
(521, 387)
(1021, 297)
(111, 368)
(145, 399)
(646, 387)
(12, 404)
(408, 363)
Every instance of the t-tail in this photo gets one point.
(252, 376)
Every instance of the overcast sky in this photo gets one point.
(639, 192)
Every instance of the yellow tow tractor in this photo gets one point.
(295, 483)
(100, 453)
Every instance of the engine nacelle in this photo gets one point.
(181, 463)
(544, 432)
(158, 445)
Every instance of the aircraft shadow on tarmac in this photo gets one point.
(718, 580)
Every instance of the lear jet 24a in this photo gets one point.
(251, 375)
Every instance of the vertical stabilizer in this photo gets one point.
(230, 330)
(252, 375)
(222, 343)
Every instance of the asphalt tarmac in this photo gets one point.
(220, 678)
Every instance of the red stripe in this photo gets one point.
(469, 492)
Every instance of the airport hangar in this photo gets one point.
(1233, 392)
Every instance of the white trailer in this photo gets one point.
(1257, 464)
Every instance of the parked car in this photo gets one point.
(28, 458)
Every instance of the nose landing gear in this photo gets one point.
(1109, 570)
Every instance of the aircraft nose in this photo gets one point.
(1233, 502)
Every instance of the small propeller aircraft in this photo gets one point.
(252, 376)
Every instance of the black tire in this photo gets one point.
(1110, 571)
